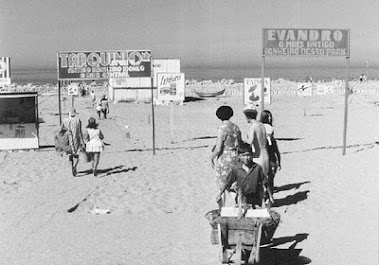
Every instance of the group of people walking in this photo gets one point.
(89, 143)
(245, 170)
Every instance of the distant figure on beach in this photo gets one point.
(251, 182)
(104, 107)
(272, 148)
(362, 78)
(73, 125)
(93, 97)
(225, 151)
(94, 145)
(256, 137)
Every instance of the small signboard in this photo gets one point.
(73, 89)
(170, 86)
(252, 91)
(5, 71)
(304, 89)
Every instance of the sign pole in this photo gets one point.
(59, 102)
(152, 113)
(262, 85)
(172, 120)
(347, 92)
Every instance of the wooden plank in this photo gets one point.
(246, 237)
(245, 223)
(221, 249)
(237, 260)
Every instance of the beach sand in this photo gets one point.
(149, 209)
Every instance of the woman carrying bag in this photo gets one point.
(94, 145)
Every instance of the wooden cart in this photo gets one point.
(240, 239)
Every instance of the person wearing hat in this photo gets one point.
(94, 144)
(73, 125)
(256, 137)
(225, 151)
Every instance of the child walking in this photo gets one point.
(94, 145)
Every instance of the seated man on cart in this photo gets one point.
(252, 183)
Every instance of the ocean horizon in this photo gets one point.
(216, 74)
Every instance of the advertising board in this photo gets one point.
(170, 86)
(252, 90)
(164, 66)
(103, 64)
(73, 89)
(5, 71)
(308, 42)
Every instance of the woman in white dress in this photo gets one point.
(94, 144)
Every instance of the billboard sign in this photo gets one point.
(104, 64)
(170, 86)
(5, 71)
(164, 66)
(252, 91)
(309, 42)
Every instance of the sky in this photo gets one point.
(202, 33)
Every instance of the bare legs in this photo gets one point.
(74, 160)
(95, 162)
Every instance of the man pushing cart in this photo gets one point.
(241, 232)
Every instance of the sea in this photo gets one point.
(217, 74)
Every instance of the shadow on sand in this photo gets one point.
(360, 146)
(288, 139)
(290, 256)
(106, 171)
(292, 199)
(114, 170)
(290, 186)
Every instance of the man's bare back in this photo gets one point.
(256, 137)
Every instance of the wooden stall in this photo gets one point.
(19, 126)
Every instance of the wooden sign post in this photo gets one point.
(301, 42)
(172, 121)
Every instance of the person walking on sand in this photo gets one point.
(251, 182)
(104, 106)
(225, 150)
(73, 125)
(256, 137)
(93, 98)
(94, 145)
(272, 148)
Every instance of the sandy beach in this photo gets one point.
(149, 209)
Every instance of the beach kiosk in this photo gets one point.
(19, 125)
